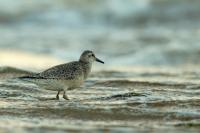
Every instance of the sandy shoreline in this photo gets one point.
(112, 104)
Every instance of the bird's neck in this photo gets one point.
(86, 68)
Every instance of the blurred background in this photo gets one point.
(40, 33)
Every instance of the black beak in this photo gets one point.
(98, 60)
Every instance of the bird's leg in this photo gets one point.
(65, 96)
(57, 96)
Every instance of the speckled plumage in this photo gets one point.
(68, 71)
(65, 76)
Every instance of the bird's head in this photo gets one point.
(89, 57)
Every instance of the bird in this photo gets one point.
(66, 76)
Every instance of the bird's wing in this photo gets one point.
(69, 71)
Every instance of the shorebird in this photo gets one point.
(65, 76)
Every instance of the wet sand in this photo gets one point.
(107, 103)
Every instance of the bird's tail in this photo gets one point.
(33, 76)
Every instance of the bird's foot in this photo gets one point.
(65, 96)
(57, 96)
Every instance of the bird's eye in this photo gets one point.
(93, 55)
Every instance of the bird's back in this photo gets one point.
(68, 71)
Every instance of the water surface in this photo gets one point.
(131, 102)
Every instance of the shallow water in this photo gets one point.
(150, 82)
(109, 103)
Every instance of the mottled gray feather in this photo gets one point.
(66, 71)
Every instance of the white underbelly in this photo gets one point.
(72, 83)
(55, 84)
